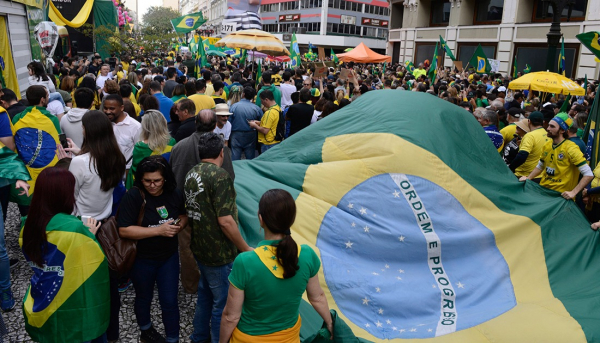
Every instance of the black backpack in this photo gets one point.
(280, 132)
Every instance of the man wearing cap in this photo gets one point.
(223, 128)
(508, 132)
(267, 86)
(561, 161)
(531, 147)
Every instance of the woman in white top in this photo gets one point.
(37, 76)
(98, 167)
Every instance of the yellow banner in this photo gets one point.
(34, 3)
(80, 19)
(8, 75)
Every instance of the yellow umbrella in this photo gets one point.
(544, 81)
(254, 40)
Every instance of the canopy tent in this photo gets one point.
(362, 54)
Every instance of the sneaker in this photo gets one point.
(125, 286)
(7, 303)
(13, 262)
(151, 336)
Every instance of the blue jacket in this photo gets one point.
(164, 105)
(243, 111)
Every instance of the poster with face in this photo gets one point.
(243, 15)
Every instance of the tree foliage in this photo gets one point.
(121, 42)
(157, 20)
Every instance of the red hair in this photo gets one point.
(54, 194)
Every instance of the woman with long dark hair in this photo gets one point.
(63, 253)
(277, 266)
(98, 167)
(37, 76)
(157, 258)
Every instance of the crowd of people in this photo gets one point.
(152, 143)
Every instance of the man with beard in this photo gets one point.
(561, 161)
(127, 130)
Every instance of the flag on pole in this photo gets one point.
(334, 57)
(590, 133)
(433, 68)
(515, 73)
(527, 69)
(561, 58)
(188, 23)
(447, 49)
(565, 105)
(591, 40)
(410, 67)
(258, 74)
(295, 52)
(480, 62)
(244, 56)
(203, 60)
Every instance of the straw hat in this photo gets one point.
(222, 110)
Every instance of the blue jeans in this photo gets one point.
(243, 141)
(212, 297)
(56, 96)
(165, 273)
(265, 147)
(4, 263)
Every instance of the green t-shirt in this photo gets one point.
(271, 304)
(209, 194)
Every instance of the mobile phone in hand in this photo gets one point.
(63, 140)
(176, 221)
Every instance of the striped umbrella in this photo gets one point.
(256, 40)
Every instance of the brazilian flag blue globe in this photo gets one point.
(424, 233)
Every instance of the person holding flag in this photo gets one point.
(334, 57)
(410, 67)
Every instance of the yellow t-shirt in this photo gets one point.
(561, 165)
(202, 102)
(508, 132)
(419, 72)
(276, 79)
(270, 120)
(533, 143)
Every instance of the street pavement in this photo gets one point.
(21, 273)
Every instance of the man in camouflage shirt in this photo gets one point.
(216, 239)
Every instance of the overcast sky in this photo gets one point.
(144, 5)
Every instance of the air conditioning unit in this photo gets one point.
(295, 29)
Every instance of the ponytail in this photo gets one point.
(278, 211)
(287, 256)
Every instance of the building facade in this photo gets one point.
(328, 23)
(506, 29)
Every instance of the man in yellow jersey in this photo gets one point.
(200, 99)
(267, 126)
(562, 161)
(508, 132)
(531, 147)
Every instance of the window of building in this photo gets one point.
(440, 13)
(311, 27)
(370, 32)
(286, 27)
(488, 11)
(577, 14)
(289, 5)
(423, 51)
(382, 33)
(342, 28)
(311, 3)
(345, 5)
(466, 51)
(270, 28)
(269, 8)
(535, 54)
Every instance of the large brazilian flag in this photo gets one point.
(423, 231)
(68, 299)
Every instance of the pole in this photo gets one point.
(137, 16)
(554, 34)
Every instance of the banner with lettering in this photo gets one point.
(424, 232)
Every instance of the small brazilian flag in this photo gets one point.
(334, 57)
(71, 290)
(480, 62)
(188, 23)
(410, 67)
(591, 40)
(440, 249)
(527, 69)
(141, 150)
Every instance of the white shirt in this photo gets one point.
(315, 116)
(55, 107)
(127, 133)
(286, 94)
(89, 197)
(225, 132)
(100, 80)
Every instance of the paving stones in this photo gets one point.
(21, 273)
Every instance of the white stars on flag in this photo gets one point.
(349, 245)
(366, 301)
(363, 211)
(401, 238)
(377, 289)
(379, 324)
(367, 325)
(350, 205)
(380, 311)
(396, 194)
(460, 285)
(399, 278)
(366, 229)
(374, 273)
(401, 271)
(433, 286)
(353, 224)
(387, 266)
(430, 330)
(388, 322)
(402, 330)
(413, 330)
(395, 328)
